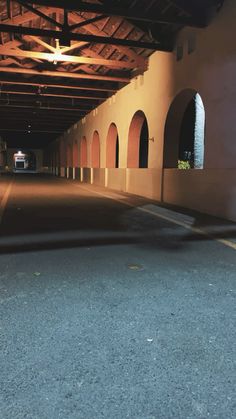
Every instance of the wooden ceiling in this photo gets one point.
(59, 59)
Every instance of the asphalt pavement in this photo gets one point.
(112, 306)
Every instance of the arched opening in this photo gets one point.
(24, 160)
(185, 132)
(95, 151)
(62, 153)
(112, 147)
(83, 152)
(138, 141)
(75, 154)
(69, 156)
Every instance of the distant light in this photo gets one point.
(29, 126)
(29, 132)
(19, 152)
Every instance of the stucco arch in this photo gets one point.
(138, 141)
(69, 155)
(83, 153)
(62, 149)
(112, 147)
(75, 154)
(95, 150)
(185, 129)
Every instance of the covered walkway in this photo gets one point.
(112, 306)
(117, 153)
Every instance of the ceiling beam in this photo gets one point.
(57, 86)
(37, 114)
(37, 12)
(45, 104)
(126, 13)
(94, 30)
(15, 92)
(87, 22)
(30, 122)
(63, 74)
(25, 17)
(74, 45)
(42, 111)
(40, 42)
(23, 30)
(33, 128)
(46, 108)
(9, 9)
(35, 131)
(34, 118)
(58, 57)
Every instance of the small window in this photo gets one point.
(192, 43)
(179, 52)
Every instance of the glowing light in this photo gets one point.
(57, 55)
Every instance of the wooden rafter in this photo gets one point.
(75, 19)
(74, 45)
(41, 14)
(41, 42)
(71, 36)
(57, 56)
(42, 94)
(26, 17)
(63, 74)
(34, 114)
(29, 118)
(32, 122)
(87, 22)
(110, 10)
(10, 61)
(35, 131)
(35, 122)
(46, 108)
(57, 86)
(131, 54)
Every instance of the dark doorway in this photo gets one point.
(117, 152)
(143, 146)
(185, 132)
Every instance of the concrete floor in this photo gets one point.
(112, 308)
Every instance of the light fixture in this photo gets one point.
(57, 55)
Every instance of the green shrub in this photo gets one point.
(185, 165)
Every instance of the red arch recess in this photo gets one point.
(95, 152)
(134, 139)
